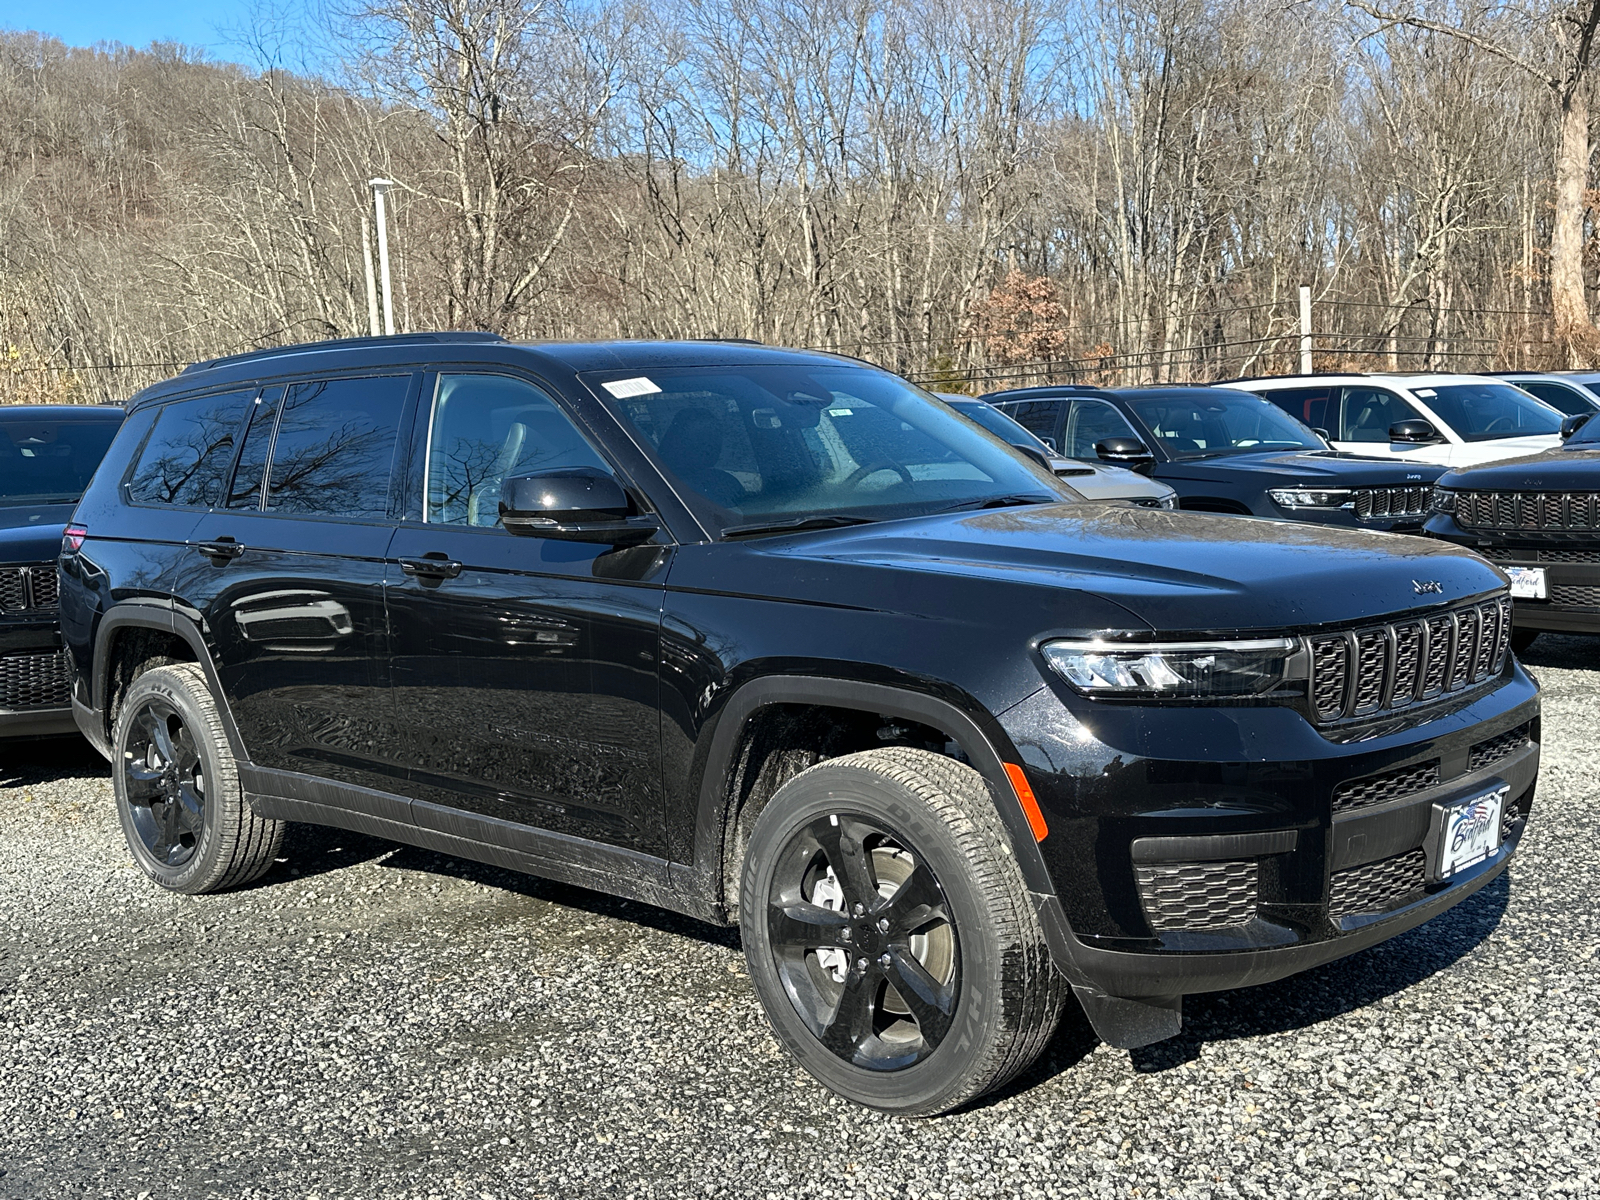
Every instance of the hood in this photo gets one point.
(1102, 481)
(31, 533)
(1559, 470)
(1323, 468)
(1481, 452)
(1174, 572)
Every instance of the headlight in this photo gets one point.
(1310, 497)
(1177, 669)
(1170, 500)
(1444, 500)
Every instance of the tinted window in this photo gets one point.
(487, 428)
(1092, 421)
(252, 470)
(1038, 417)
(788, 441)
(1480, 412)
(1309, 406)
(1558, 396)
(1205, 422)
(44, 461)
(186, 459)
(334, 449)
(995, 421)
(1368, 412)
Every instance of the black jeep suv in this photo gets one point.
(1538, 518)
(1226, 451)
(48, 453)
(776, 638)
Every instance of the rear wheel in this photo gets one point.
(1521, 639)
(889, 935)
(183, 813)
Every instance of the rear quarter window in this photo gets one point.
(185, 460)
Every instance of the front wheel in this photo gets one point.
(889, 935)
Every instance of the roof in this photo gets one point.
(1409, 379)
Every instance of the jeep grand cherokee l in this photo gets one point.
(48, 452)
(773, 637)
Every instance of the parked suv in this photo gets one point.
(1567, 393)
(1452, 420)
(1226, 453)
(1538, 518)
(773, 637)
(48, 452)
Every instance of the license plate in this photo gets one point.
(1468, 832)
(1527, 583)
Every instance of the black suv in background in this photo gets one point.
(48, 453)
(1224, 451)
(774, 637)
(1538, 519)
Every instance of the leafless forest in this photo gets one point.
(963, 190)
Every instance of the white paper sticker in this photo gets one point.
(637, 386)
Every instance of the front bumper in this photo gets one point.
(1200, 849)
(1571, 564)
(35, 688)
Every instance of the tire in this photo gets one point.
(1521, 639)
(957, 995)
(183, 813)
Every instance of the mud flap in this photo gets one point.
(1128, 1024)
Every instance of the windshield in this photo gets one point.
(1205, 422)
(996, 422)
(1481, 412)
(46, 460)
(769, 443)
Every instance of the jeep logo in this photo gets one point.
(1423, 587)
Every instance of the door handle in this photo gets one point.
(431, 568)
(222, 551)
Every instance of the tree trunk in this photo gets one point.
(1580, 340)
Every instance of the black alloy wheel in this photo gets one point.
(165, 783)
(864, 941)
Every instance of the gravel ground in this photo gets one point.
(374, 1021)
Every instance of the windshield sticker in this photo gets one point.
(637, 386)
(1425, 393)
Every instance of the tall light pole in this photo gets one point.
(380, 188)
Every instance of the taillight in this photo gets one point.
(72, 539)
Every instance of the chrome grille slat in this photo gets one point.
(1373, 502)
(1383, 668)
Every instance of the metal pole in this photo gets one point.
(1305, 329)
(372, 283)
(380, 188)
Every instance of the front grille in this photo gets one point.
(34, 680)
(1575, 597)
(1385, 786)
(1196, 896)
(24, 588)
(1528, 510)
(1392, 501)
(1486, 754)
(1377, 886)
(1500, 554)
(1399, 664)
(1569, 556)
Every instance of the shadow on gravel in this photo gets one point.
(47, 759)
(1563, 651)
(1329, 991)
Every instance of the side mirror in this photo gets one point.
(1051, 442)
(1416, 433)
(1036, 453)
(1322, 433)
(1126, 452)
(580, 504)
(1571, 425)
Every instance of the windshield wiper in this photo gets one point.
(832, 521)
(1003, 502)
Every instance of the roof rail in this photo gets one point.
(350, 343)
(1297, 375)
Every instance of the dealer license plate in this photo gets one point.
(1527, 583)
(1469, 831)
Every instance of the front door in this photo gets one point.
(524, 668)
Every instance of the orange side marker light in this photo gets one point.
(1030, 805)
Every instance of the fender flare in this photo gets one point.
(981, 739)
(162, 616)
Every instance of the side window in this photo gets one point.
(1557, 396)
(251, 473)
(1309, 405)
(185, 461)
(1093, 421)
(1367, 413)
(1038, 417)
(334, 450)
(487, 428)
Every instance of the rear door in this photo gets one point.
(287, 575)
(1042, 418)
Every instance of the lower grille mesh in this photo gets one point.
(1576, 597)
(1389, 785)
(1377, 886)
(1487, 753)
(1195, 896)
(34, 680)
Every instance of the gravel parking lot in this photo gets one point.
(372, 1020)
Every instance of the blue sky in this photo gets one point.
(202, 23)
